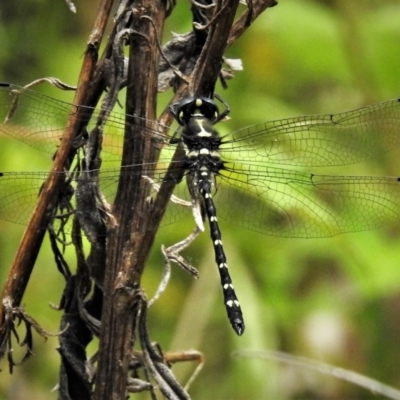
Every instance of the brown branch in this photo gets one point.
(241, 25)
(32, 239)
(208, 65)
(125, 256)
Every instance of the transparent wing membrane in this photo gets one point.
(321, 140)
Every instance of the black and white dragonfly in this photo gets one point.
(246, 177)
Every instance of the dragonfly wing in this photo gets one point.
(282, 202)
(320, 140)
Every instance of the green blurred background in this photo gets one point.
(334, 300)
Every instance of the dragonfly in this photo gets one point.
(252, 177)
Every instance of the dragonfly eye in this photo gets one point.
(194, 107)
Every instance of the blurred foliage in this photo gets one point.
(335, 300)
